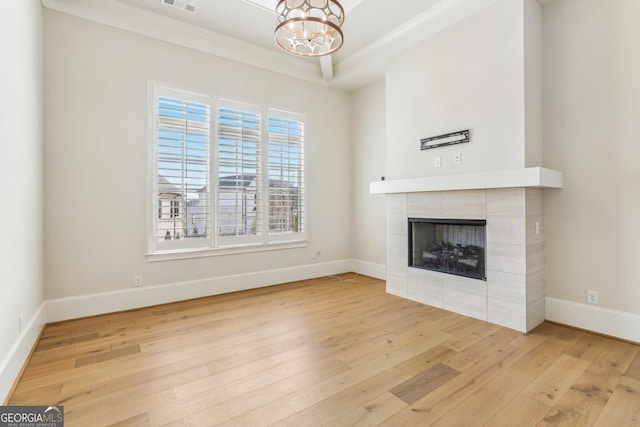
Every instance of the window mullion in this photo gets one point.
(264, 159)
(214, 173)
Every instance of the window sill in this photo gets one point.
(227, 250)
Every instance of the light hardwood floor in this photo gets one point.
(326, 352)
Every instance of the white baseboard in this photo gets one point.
(59, 309)
(11, 364)
(127, 299)
(609, 322)
(605, 321)
(379, 271)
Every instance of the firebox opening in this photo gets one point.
(452, 246)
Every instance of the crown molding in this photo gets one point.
(369, 64)
(351, 73)
(125, 17)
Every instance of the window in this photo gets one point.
(286, 177)
(175, 209)
(182, 129)
(225, 174)
(239, 204)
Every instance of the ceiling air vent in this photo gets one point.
(187, 7)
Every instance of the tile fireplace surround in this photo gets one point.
(512, 204)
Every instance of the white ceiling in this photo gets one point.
(365, 20)
(242, 31)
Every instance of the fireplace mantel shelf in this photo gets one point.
(515, 178)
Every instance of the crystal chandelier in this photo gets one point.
(309, 27)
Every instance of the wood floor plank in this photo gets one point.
(107, 355)
(257, 374)
(116, 368)
(345, 401)
(451, 394)
(588, 347)
(634, 369)
(229, 384)
(60, 354)
(371, 413)
(265, 415)
(47, 393)
(141, 420)
(325, 352)
(540, 358)
(126, 389)
(249, 403)
(482, 404)
(418, 386)
(99, 415)
(522, 411)
(587, 397)
(475, 331)
(176, 423)
(357, 355)
(550, 385)
(479, 350)
(623, 408)
(427, 359)
(57, 344)
(322, 390)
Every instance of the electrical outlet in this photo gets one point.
(137, 281)
(20, 323)
(593, 297)
(437, 162)
(314, 257)
(457, 158)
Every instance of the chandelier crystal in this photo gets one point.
(309, 27)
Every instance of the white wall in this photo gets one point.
(469, 76)
(368, 145)
(95, 157)
(591, 115)
(21, 178)
(533, 124)
(482, 74)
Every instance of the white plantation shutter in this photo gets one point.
(239, 204)
(225, 175)
(286, 173)
(182, 171)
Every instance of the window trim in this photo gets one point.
(176, 254)
(215, 245)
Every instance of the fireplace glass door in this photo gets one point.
(452, 246)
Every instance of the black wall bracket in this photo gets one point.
(444, 140)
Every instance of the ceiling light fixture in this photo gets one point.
(309, 27)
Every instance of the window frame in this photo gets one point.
(214, 244)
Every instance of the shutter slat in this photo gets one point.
(243, 204)
(239, 206)
(286, 171)
(182, 162)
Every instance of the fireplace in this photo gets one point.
(451, 246)
(510, 292)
